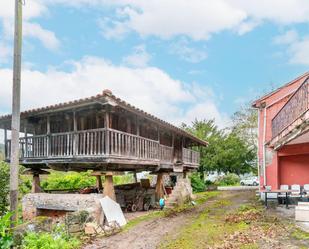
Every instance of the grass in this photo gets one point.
(206, 229)
(300, 234)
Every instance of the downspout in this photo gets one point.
(258, 156)
(264, 146)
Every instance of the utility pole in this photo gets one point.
(14, 174)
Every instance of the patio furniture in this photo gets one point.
(282, 196)
(296, 192)
(276, 192)
(305, 193)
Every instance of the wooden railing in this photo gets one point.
(166, 153)
(293, 109)
(190, 156)
(88, 143)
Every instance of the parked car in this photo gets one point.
(250, 181)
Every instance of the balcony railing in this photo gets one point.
(96, 143)
(296, 106)
(190, 156)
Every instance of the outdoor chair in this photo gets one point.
(296, 193)
(306, 191)
(282, 196)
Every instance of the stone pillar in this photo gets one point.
(159, 186)
(36, 185)
(109, 186)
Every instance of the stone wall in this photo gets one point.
(58, 205)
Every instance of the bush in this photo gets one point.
(4, 186)
(6, 236)
(71, 180)
(197, 183)
(228, 180)
(54, 240)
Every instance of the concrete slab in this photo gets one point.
(112, 211)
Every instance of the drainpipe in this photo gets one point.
(258, 156)
(264, 146)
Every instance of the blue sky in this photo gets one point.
(177, 59)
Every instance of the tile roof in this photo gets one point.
(108, 95)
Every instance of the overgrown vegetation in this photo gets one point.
(4, 186)
(6, 237)
(228, 180)
(74, 180)
(57, 239)
(71, 180)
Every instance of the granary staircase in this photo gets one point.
(181, 193)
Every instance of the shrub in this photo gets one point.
(197, 183)
(228, 180)
(6, 236)
(54, 240)
(71, 180)
(4, 186)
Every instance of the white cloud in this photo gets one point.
(47, 37)
(139, 58)
(5, 52)
(31, 10)
(288, 37)
(199, 19)
(188, 53)
(149, 88)
(297, 47)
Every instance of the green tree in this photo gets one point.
(227, 151)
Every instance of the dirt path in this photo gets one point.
(230, 220)
(149, 234)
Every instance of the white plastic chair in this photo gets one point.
(283, 187)
(295, 191)
(306, 190)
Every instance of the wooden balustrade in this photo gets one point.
(98, 142)
(190, 156)
(293, 109)
(166, 153)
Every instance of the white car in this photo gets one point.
(250, 181)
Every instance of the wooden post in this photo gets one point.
(36, 185)
(99, 183)
(107, 135)
(48, 142)
(26, 139)
(159, 186)
(75, 135)
(16, 113)
(138, 141)
(109, 186)
(5, 142)
(135, 177)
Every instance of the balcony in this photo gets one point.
(295, 107)
(99, 145)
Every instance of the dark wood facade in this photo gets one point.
(102, 133)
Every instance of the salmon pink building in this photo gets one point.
(283, 134)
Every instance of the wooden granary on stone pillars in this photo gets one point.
(101, 133)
